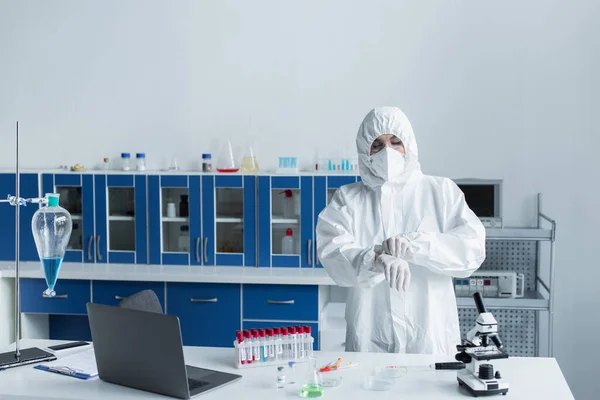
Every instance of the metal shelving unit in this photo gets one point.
(539, 295)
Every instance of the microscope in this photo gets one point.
(480, 347)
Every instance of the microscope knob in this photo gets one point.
(486, 371)
(498, 376)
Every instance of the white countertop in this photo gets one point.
(529, 378)
(175, 273)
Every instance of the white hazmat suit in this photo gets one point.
(444, 239)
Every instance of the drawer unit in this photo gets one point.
(281, 302)
(71, 296)
(209, 313)
(112, 292)
(276, 324)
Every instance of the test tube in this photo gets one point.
(271, 340)
(264, 353)
(309, 341)
(300, 335)
(286, 346)
(240, 346)
(248, 347)
(255, 345)
(278, 349)
(293, 343)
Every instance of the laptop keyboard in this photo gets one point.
(195, 384)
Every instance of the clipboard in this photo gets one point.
(66, 371)
(80, 365)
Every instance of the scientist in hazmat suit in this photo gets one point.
(396, 239)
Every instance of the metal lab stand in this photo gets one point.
(519, 250)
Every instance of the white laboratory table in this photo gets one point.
(529, 378)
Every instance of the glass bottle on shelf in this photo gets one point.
(51, 227)
(184, 239)
(184, 206)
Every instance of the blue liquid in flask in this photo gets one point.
(51, 267)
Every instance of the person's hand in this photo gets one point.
(396, 271)
(396, 246)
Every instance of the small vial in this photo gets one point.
(206, 162)
(292, 372)
(280, 377)
(105, 164)
(141, 161)
(125, 161)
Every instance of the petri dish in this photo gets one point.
(394, 372)
(377, 383)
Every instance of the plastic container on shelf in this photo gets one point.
(206, 162)
(184, 206)
(141, 161)
(126, 161)
(184, 239)
(288, 203)
(287, 243)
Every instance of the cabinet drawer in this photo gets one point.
(112, 292)
(270, 324)
(281, 302)
(71, 296)
(209, 313)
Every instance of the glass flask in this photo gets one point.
(226, 162)
(249, 162)
(313, 383)
(51, 226)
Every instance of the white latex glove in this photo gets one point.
(396, 246)
(396, 271)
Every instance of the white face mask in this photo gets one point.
(388, 164)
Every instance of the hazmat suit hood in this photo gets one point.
(381, 121)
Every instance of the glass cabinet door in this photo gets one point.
(174, 222)
(121, 219)
(229, 220)
(76, 196)
(285, 221)
(325, 188)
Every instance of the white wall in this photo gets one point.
(494, 90)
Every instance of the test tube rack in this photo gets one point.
(286, 347)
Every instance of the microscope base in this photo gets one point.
(478, 387)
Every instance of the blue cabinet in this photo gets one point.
(112, 292)
(121, 219)
(28, 187)
(281, 302)
(76, 196)
(285, 206)
(174, 220)
(71, 296)
(229, 220)
(209, 314)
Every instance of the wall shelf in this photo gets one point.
(174, 219)
(120, 218)
(531, 301)
(518, 234)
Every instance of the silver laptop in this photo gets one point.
(143, 350)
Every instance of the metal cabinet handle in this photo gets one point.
(205, 249)
(98, 255)
(309, 251)
(193, 300)
(280, 301)
(198, 250)
(120, 297)
(90, 241)
(58, 296)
